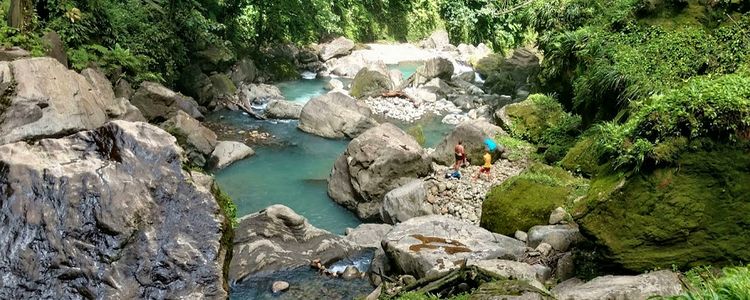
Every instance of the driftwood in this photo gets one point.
(468, 279)
(247, 110)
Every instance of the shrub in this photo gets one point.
(731, 283)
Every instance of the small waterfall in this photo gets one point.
(308, 75)
(477, 78)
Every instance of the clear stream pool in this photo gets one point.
(294, 173)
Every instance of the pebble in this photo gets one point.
(279, 286)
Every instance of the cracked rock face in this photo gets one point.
(278, 238)
(433, 245)
(107, 214)
(379, 160)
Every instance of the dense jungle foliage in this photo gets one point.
(158, 39)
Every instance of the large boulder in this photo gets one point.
(42, 98)
(646, 286)
(278, 238)
(560, 237)
(108, 214)
(405, 202)
(244, 71)
(228, 152)
(694, 213)
(196, 139)
(283, 109)
(437, 40)
(508, 76)
(259, 93)
(222, 88)
(434, 68)
(526, 200)
(376, 162)
(472, 135)
(368, 235)
(158, 103)
(13, 53)
(338, 47)
(347, 66)
(433, 245)
(335, 115)
(370, 83)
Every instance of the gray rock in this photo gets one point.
(282, 109)
(544, 249)
(660, 283)
(432, 245)
(335, 115)
(521, 236)
(380, 265)
(350, 272)
(228, 152)
(559, 216)
(158, 103)
(278, 238)
(566, 268)
(472, 133)
(512, 269)
(123, 89)
(434, 68)
(347, 66)
(560, 237)
(258, 94)
(468, 76)
(115, 217)
(437, 40)
(370, 82)
(376, 162)
(279, 286)
(405, 202)
(190, 133)
(334, 84)
(338, 47)
(396, 77)
(368, 235)
(13, 53)
(55, 47)
(49, 100)
(244, 71)
(124, 110)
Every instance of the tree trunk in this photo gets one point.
(19, 14)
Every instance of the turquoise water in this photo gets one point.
(407, 68)
(293, 173)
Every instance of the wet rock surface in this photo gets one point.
(277, 238)
(107, 213)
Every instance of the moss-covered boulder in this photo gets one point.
(584, 157)
(693, 214)
(505, 76)
(541, 120)
(369, 83)
(526, 200)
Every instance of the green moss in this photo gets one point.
(526, 200)
(229, 211)
(223, 85)
(418, 133)
(515, 149)
(510, 287)
(584, 157)
(489, 64)
(369, 83)
(682, 216)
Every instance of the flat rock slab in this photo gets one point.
(641, 287)
(433, 245)
(277, 238)
(228, 152)
(368, 235)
